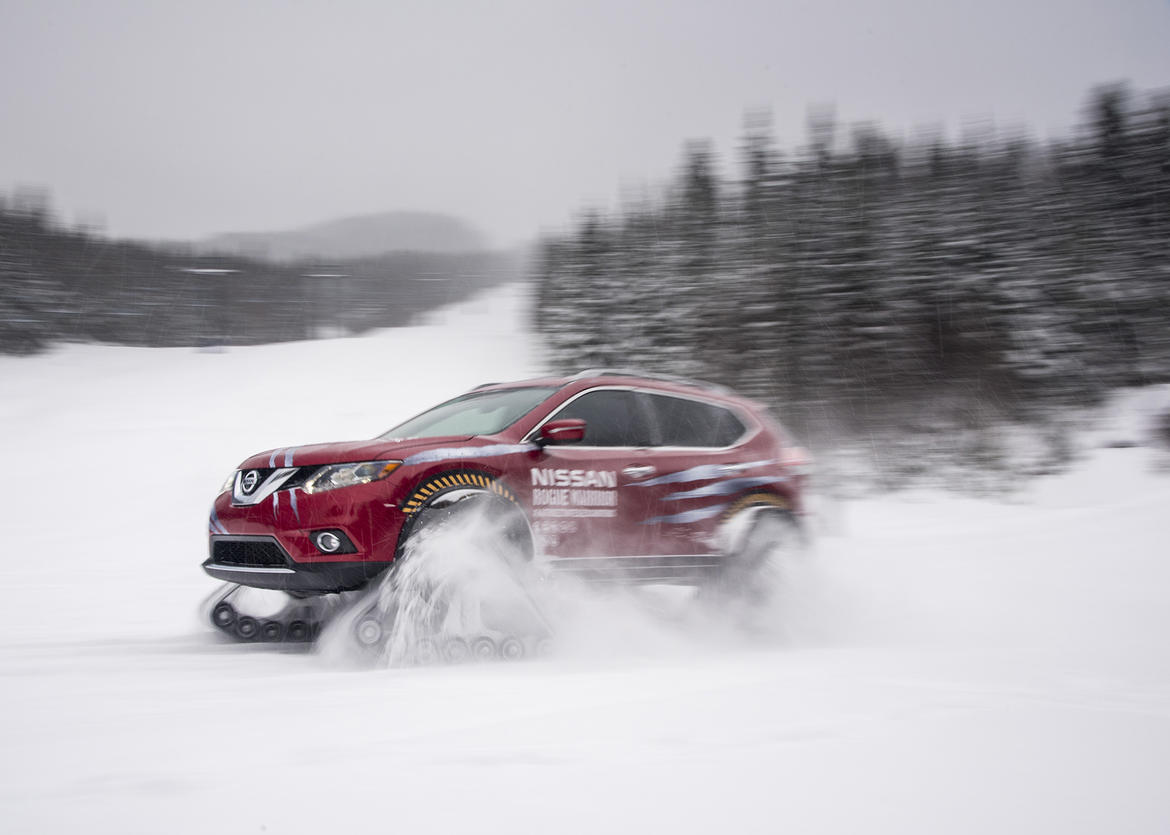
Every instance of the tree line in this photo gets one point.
(71, 285)
(862, 283)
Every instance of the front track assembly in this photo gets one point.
(382, 624)
(300, 621)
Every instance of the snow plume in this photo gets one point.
(456, 582)
(459, 581)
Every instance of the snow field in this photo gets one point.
(935, 663)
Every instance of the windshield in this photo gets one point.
(478, 413)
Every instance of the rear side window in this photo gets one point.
(683, 422)
(612, 418)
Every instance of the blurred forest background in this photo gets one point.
(71, 284)
(909, 297)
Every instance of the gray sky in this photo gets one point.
(181, 119)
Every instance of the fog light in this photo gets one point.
(332, 541)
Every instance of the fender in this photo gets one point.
(450, 488)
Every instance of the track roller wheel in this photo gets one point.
(223, 615)
(512, 649)
(272, 630)
(247, 628)
(456, 650)
(299, 630)
(368, 631)
(483, 648)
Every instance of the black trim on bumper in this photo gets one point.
(287, 575)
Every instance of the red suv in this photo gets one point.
(612, 474)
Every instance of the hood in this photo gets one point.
(343, 452)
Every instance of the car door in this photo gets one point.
(585, 501)
(698, 470)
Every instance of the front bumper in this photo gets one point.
(261, 562)
(270, 544)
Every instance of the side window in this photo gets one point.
(683, 422)
(612, 418)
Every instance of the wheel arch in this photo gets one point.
(449, 488)
(735, 521)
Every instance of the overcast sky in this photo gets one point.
(181, 119)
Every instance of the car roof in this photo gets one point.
(594, 377)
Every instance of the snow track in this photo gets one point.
(938, 664)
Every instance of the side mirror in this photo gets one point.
(563, 431)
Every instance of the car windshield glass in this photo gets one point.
(478, 413)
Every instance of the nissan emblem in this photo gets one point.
(250, 480)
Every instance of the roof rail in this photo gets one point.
(649, 375)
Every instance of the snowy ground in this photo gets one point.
(939, 663)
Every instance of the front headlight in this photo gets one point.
(230, 483)
(348, 475)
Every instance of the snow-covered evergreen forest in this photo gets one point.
(59, 284)
(867, 286)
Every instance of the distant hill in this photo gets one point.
(363, 236)
(59, 284)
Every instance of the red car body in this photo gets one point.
(645, 501)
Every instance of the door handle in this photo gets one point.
(638, 471)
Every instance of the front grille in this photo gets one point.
(250, 552)
(299, 477)
(262, 475)
(295, 480)
(265, 481)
